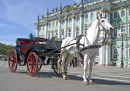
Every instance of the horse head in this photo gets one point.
(104, 25)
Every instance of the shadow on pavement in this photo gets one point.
(76, 78)
(99, 81)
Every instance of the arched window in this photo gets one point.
(57, 23)
(70, 20)
(122, 13)
(98, 14)
(114, 52)
(48, 36)
(62, 34)
(78, 18)
(69, 33)
(115, 31)
(77, 32)
(62, 22)
(86, 17)
(92, 16)
(123, 28)
(115, 15)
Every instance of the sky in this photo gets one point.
(17, 17)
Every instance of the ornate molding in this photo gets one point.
(77, 27)
(91, 11)
(122, 8)
(85, 12)
(114, 24)
(97, 10)
(56, 30)
(114, 10)
(48, 32)
(128, 7)
(69, 15)
(102, 10)
(62, 30)
(65, 19)
(46, 23)
(77, 14)
(37, 28)
(122, 23)
(73, 17)
(69, 29)
(62, 18)
(81, 16)
(59, 20)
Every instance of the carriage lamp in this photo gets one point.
(122, 34)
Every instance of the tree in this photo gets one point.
(5, 49)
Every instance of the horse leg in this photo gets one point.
(85, 70)
(90, 70)
(67, 61)
(64, 55)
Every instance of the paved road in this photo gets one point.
(104, 78)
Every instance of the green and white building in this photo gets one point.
(74, 20)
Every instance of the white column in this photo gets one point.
(102, 56)
(73, 26)
(46, 29)
(36, 32)
(81, 23)
(59, 28)
(65, 31)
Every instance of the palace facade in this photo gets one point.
(74, 20)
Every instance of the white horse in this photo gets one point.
(89, 39)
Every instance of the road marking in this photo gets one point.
(118, 80)
(114, 75)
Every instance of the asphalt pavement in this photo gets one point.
(105, 78)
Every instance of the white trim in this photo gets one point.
(117, 28)
(124, 15)
(128, 53)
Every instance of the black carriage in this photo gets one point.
(33, 52)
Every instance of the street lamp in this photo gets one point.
(122, 34)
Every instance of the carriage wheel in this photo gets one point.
(12, 60)
(32, 64)
(39, 66)
(55, 68)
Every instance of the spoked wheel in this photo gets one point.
(55, 68)
(32, 64)
(39, 66)
(12, 60)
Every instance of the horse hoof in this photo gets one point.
(86, 82)
(91, 82)
(66, 78)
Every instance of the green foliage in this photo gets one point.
(5, 49)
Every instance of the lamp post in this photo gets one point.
(122, 34)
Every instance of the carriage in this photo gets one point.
(33, 52)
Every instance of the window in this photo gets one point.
(115, 15)
(62, 36)
(86, 29)
(77, 32)
(69, 33)
(78, 18)
(115, 53)
(122, 28)
(129, 30)
(123, 53)
(70, 20)
(98, 14)
(86, 17)
(115, 31)
(62, 22)
(129, 12)
(122, 13)
(57, 23)
(49, 25)
(52, 24)
(92, 16)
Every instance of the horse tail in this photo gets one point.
(59, 62)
